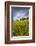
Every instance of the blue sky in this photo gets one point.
(20, 12)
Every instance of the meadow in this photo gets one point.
(21, 28)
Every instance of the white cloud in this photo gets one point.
(19, 16)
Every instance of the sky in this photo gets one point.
(20, 12)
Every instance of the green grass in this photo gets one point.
(21, 28)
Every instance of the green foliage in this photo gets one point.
(21, 28)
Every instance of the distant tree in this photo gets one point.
(24, 18)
